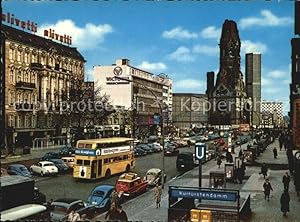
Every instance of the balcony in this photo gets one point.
(25, 107)
(36, 66)
(25, 85)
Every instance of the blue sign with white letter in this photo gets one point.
(200, 151)
(86, 152)
(204, 194)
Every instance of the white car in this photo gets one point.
(154, 176)
(44, 168)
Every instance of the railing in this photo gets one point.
(24, 107)
(49, 143)
(25, 85)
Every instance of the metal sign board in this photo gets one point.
(204, 194)
(200, 151)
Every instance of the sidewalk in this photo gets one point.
(33, 155)
(143, 207)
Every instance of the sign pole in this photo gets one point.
(200, 173)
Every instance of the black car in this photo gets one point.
(67, 151)
(139, 152)
(50, 155)
(61, 165)
(185, 161)
(146, 148)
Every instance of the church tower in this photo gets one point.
(229, 97)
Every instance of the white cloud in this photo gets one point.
(207, 50)
(266, 82)
(159, 66)
(248, 46)
(211, 32)
(179, 33)
(189, 84)
(277, 74)
(182, 54)
(85, 38)
(266, 18)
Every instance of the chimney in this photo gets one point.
(210, 77)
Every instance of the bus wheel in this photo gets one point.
(127, 168)
(107, 174)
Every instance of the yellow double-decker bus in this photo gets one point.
(96, 158)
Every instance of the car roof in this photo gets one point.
(67, 200)
(128, 177)
(16, 165)
(154, 170)
(44, 162)
(104, 188)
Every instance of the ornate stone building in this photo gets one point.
(37, 73)
(228, 96)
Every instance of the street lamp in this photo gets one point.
(162, 124)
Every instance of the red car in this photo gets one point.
(130, 184)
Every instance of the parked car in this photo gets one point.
(156, 147)
(139, 152)
(69, 161)
(130, 184)
(100, 197)
(154, 176)
(44, 168)
(18, 169)
(67, 151)
(61, 165)
(170, 150)
(145, 147)
(62, 207)
(50, 155)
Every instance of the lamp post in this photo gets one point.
(161, 122)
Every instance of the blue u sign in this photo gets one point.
(200, 151)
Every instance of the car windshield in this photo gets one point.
(60, 209)
(48, 164)
(22, 168)
(98, 193)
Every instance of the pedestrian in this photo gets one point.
(121, 214)
(157, 195)
(286, 181)
(285, 202)
(239, 175)
(219, 161)
(112, 213)
(264, 170)
(227, 156)
(275, 153)
(73, 216)
(114, 198)
(241, 153)
(267, 189)
(281, 140)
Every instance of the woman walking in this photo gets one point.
(157, 195)
(285, 203)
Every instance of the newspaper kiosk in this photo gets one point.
(216, 204)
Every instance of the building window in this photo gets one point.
(26, 77)
(19, 76)
(33, 78)
(43, 60)
(26, 57)
(19, 56)
(33, 122)
(33, 58)
(11, 121)
(11, 54)
(11, 75)
(19, 122)
(12, 98)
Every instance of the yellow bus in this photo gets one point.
(96, 158)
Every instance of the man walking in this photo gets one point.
(286, 181)
(275, 153)
(264, 170)
(267, 189)
(157, 195)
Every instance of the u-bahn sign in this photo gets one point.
(200, 151)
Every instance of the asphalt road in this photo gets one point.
(65, 186)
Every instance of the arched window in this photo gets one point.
(19, 56)
(11, 54)
(26, 76)
(11, 75)
(33, 78)
(19, 75)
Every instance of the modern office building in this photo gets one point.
(190, 110)
(38, 71)
(228, 98)
(271, 114)
(253, 84)
(142, 93)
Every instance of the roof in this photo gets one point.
(104, 187)
(107, 140)
(21, 212)
(15, 179)
(44, 162)
(154, 170)
(17, 165)
(67, 200)
(128, 177)
(40, 42)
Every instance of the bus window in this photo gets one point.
(99, 167)
(111, 160)
(105, 160)
(81, 145)
(116, 159)
(89, 146)
(79, 162)
(86, 163)
(125, 157)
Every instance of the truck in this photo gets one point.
(18, 190)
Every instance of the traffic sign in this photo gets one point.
(200, 151)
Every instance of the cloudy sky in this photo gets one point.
(177, 38)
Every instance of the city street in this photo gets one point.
(66, 186)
